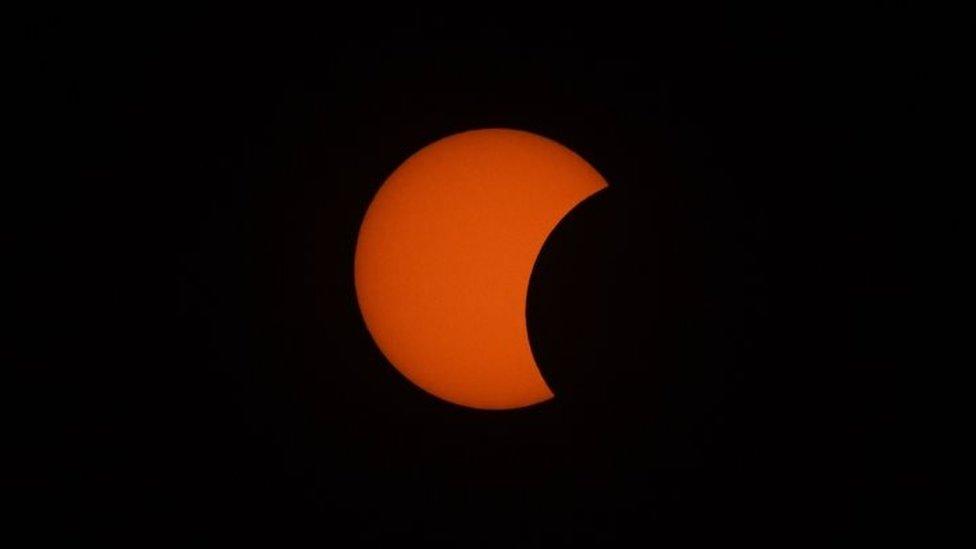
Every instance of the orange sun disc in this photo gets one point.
(444, 257)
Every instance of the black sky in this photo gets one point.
(733, 329)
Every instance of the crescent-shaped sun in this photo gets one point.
(444, 257)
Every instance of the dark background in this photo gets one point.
(733, 329)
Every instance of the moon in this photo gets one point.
(444, 257)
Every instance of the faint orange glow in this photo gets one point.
(444, 257)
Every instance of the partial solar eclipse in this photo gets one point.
(444, 257)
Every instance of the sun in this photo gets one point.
(444, 257)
